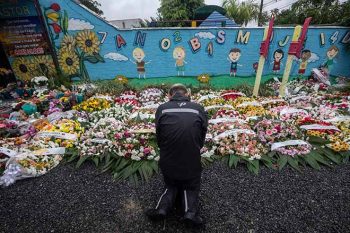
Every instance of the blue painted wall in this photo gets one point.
(162, 63)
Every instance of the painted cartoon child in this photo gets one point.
(305, 56)
(233, 57)
(332, 52)
(179, 55)
(139, 55)
(277, 57)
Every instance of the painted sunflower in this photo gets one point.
(22, 68)
(121, 79)
(69, 61)
(44, 64)
(88, 41)
(68, 42)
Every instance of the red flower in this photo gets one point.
(55, 7)
(56, 28)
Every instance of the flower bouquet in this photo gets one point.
(151, 96)
(291, 148)
(92, 105)
(231, 94)
(31, 164)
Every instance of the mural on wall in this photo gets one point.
(22, 36)
(277, 61)
(233, 58)
(74, 49)
(204, 50)
(179, 55)
(139, 56)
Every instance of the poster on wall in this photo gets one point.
(23, 36)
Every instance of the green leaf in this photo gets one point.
(81, 161)
(253, 166)
(96, 161)
(91, 59)
(233, 160)
(99, 57)
(309, 158)
(332, 156)
(282, 161)
(320, 159)
(318, 140)
(293, 162)
(65, 22)
(267, 161)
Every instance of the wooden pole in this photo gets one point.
(260, 68)
(288, 67)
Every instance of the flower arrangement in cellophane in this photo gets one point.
(93, 104)
(151, 96)
(270, 131)
(121, 113)
(137, 143)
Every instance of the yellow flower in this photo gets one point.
(203, 78)
(22, 68)
(121, 79)
(68, 42)
(68, 61)
(88, 41)
(44, 64)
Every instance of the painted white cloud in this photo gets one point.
(79, 24)
(205, 35)
(116, 57)
(314, 57)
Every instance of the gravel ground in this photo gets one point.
(70, 200)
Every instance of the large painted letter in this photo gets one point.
(210, 49)
(346, 38)
(322, 40)
(284, 42)
(243, 39)
(195, 44)
(177, 37)
(165, 44)
(220, 39)
(334, 37)
(140, 39)
(120, 41)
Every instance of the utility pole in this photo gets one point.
(260, 13)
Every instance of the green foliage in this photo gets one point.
(92, 5)
(177, 10)
(110, 86)
(322, 12)
(241, 12)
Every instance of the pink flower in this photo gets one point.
(147, 151)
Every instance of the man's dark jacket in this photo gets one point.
(181, 127)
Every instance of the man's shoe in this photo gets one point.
(156, 214)
(193, 220)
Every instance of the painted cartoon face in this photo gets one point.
(234, 56)
(179, 53)
(278, 56)
(305, 56)
(332, 53)
(138, 54)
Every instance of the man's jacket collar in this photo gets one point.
(178, 97)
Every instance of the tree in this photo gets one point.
(322, 12)
(178, 10)
(242, 12)
(92, 5)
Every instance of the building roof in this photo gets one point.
(216, 19)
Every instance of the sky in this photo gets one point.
(144, 9)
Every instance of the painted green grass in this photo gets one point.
(222, 81)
